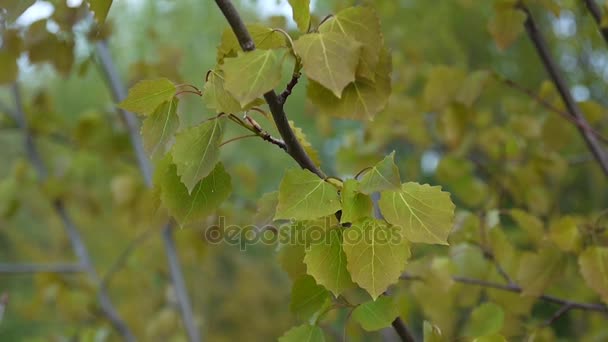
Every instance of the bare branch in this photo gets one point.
(289, 88)
(294, 148)
(559, 313)
(119, 92)
(556, 76)
(596, 12)
(402, 330)
(8, 268)
(74, 235)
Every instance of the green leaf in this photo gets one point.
(565, 233)
(216, 97)
(424, 213)
(486, 319)
(204, 199)
(301, 13)
(506, 26)
(303, 140)
(494, 338)
(593, 263)
(304, 196)
(355, 205)
(329, 59)
(375, 315)
(376, 255)
(267, 205)
(158, 129)
(252, 74)
(537, 271)
(264, 38)
(383, 176)
(145, 96)
(307, 298)
(291, 259)
(303, 333)
(431, 333)
(362, 99)
(196, 151)
(360, 23)
(531, 224)
(100, 9)
(326, 262)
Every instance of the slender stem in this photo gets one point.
(294, 148)
(596, 12)
(556, 76)
(119, 92)
(9, 268)
(402, 330)
(559, 313)
(70, 228)
(3, 304)
(240, 137)
(516, 289)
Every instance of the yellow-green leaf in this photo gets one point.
(264, 38)
(303, 333)
(376, 255)
(537, 271)
(307, 298)
(196, 151)
(145, 96)
(355, 205)
(304, 196)
(158, 129)
(486, 319)
(423, 212)
(303, 140)
(382, 176)
(593, 263)
(251, 74)
(301, 13)
(506, 25)
(565, 233)
(329, 58)
(377, 314)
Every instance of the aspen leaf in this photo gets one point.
(186, 207)
(565, 233)
(537, 271)
(377, 314)
(251, 74)
(307, 298)
(593, 264)
(506, 25)
(145, 96)
(486, 319)
(158, 128)
(382, 176)
(326, 262)
(376, 255)
(360, 23)
(304, 196)
(301, 13)
(329, 58)
(216, 97)
(196, 151)
(303, 140)
(424, 212)
(362, 99)
(303, 333)
(355, 205)
(264, 38)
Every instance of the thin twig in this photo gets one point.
(554, 72)
(289, 88)
(559, 313)
(293, 146)
(596, 12)
(3, 304)
(402, 330)
(40, 268)
(70, 228)
(119, 92)
(516, 289)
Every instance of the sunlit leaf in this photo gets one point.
(329, 59)
(145, 96)
(196, 151)
(382, 176)
(376, 255)
(158, 128)
(304, 196)
(355, 205)
(423, 212)
(375, 315)
(326, 262)
(251, 74)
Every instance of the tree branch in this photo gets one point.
(554, 72)
(119, 92)
(516, 289)
(294, 149)
(596, 12)
(402, 330)
(74, 235)
(9, 268)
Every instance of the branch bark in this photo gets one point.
(119, 92)
(73, 234)
(596, 12)
(542, 49)
(294, 149)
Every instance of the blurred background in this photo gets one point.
(500, 149)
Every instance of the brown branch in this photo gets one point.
(402, 330)
(289, 88)
(294, 148)
(516, 289)
(556, 76)
(559, 313)
(70, 228)
(119, 92)
(9, 268)
(596, 12)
